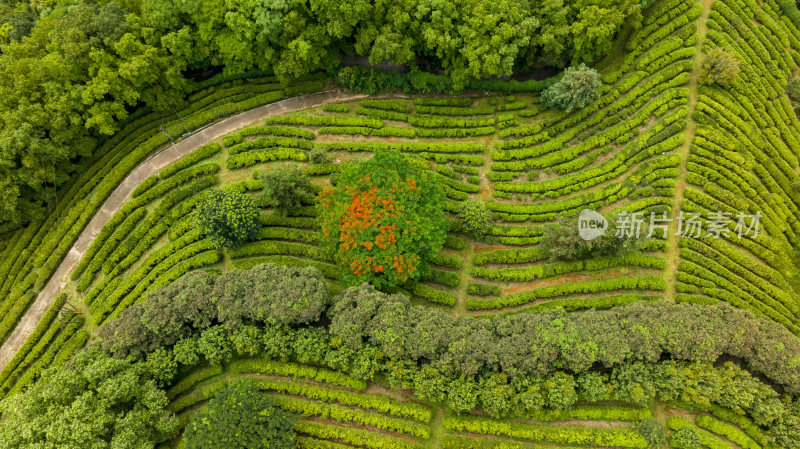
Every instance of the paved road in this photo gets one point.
(150, 167)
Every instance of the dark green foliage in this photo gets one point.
(562, 241)
(718, 67)
(169, 314)
(286, 188)
(576, 341)
(476, 218)
(94, 401)
(653, 432)
(240, 417)
(271, 294)
(685, 438)
(227, 217)
(577, 89)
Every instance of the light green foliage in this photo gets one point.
(240, 417)
(577, 89)
(227, 217)
(476, 219)
(719, 67)
(286, 188)
(95, 401)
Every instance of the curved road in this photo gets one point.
(149, 167)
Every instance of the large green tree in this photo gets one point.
(383, 222)
(96, 401)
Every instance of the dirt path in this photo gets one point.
(150, 167)
(673, 251)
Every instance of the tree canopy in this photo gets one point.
(96, 401)
(383, 222)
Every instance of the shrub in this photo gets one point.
(286, 188)
(383, 222)
(575, 90)
(227, 217)
(719, 67)
(475, 218)
(685, 438)
(240, 416)
(653, 432)
(319, 155)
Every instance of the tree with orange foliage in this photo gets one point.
(383, 221)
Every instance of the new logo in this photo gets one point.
(591, 224)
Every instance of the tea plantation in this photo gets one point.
(411, 275)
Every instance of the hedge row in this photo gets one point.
(265, 248)
(409, 147)
(380, 404)
(188, 382)
(727, 430)
(424, 121)
(382, 114)
(433, 295)
(620, 283)
(324, 120)
(450, 110)
(283, 131)
(387, 105)
(386, 131)
(354, 436)
(269, 142)
(254, 157)
(478, 289)
(293, 370)
(541, 271)
(572, 435)
(597, 303)
(352, 416)
(442, 101)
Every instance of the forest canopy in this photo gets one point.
(71, 70)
